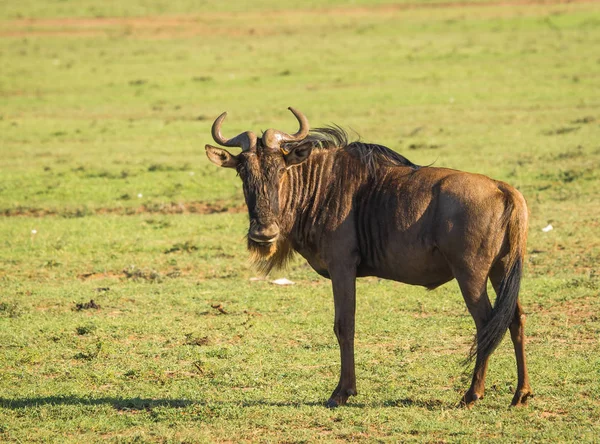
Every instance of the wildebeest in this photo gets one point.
(360, 209)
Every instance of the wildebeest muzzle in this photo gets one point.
(263, 233)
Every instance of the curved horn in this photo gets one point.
(274, 138)
(246, 141)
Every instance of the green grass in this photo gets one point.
(180, 344)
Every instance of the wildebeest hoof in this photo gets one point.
(336, 401)
(469, 400)
(521, 397)
(332, 404)
(339, 398)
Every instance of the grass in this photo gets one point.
(127, 308)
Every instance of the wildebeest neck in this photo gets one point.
(319, 193)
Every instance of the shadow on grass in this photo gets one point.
(138, 403)
(429, 404)
(117, 403)
(149, 404)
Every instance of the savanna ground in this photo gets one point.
(128, 311)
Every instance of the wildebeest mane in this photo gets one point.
(370, 154)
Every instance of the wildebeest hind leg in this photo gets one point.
(517, 334)
(473, 288)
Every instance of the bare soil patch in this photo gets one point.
(577, 311)
(189, 26)
(98, 276)
(168, 208)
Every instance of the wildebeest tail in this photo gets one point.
(503, 312)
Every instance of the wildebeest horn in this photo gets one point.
(246, 140)
(273, 138)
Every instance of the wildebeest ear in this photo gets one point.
(298, 154)
(221, 157)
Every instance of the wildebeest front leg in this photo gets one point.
(344, 296)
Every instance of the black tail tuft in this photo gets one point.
(502, 314)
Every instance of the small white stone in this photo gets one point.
(33, 231)
(140, 195)
(547, 228)
(282, 281)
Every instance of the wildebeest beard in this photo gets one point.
(266, 257)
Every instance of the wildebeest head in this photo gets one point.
(262, 165)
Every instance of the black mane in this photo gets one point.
(371, 154)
